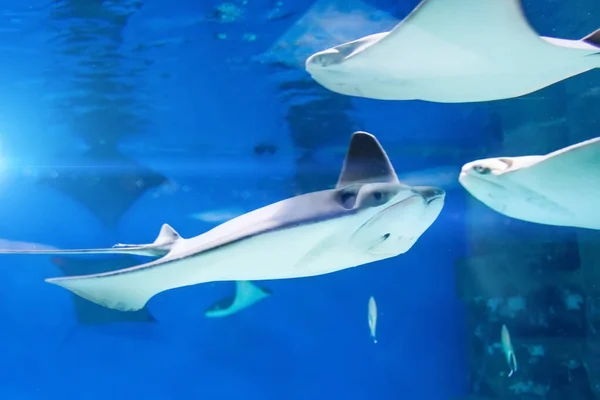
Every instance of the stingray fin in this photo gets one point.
(593, 38)
(160, 247)
(88, 313)
(167, 235)
(579, 156)
(121, 290)
(579, 161)
(246, 294)
(472, 28)
(366, 161)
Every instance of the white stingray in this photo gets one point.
(561, 188)
(369, 216)
(454, 51)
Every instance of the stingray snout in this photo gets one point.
(429, 193)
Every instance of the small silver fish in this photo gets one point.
(508, 351)
(373, 318)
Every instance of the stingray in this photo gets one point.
(561, 188)
(454, 51)
(88, 313)
(369, 216)
(106, 183)
(246, 294)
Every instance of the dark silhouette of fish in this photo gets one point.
(106, 182)
(101, 107)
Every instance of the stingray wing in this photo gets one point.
(456, 31)
(572, 160)
(88, 313)
(565, 180)
(246, 294)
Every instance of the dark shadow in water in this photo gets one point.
(100, 106)
(107, 183)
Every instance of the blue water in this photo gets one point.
(93, 90)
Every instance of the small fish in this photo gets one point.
(373, 318)
(508, 351)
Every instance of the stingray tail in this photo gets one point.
(161, 246)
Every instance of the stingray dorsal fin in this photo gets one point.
(366, 161)
(167, 235)
(593, 38)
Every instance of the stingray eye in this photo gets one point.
(374, 198)
(327, 58)
(322, 60)
(507, 161)
(347, 199)
(482, 170)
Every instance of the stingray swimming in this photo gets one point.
(561, 188)
(369, 216)
(454, 51)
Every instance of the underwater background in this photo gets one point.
(119, 116)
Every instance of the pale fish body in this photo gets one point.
(454, 51)
(373, 318)
(508, 350)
